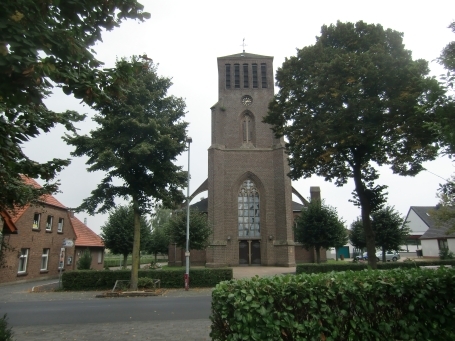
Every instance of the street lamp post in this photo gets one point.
(187, 251)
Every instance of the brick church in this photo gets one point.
(249, 200)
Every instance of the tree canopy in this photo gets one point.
(357, 236)
(200, 229)
(139, 135)
(318, 226)
(159, 239)
(118, 232)
(390, 229)
(353, 100)
(46, 43)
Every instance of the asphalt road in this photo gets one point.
(110, 310)
(36, 316)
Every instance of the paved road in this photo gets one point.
(177, 315)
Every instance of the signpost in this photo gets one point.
(66, 243)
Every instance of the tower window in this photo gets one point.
(245, 76)
(247, 126)
(264, 75)
(255, 75)
(228, 76)
(237, 76)
(248, 210)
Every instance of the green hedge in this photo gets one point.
(310, 268)
(415, 304)
(103, 280)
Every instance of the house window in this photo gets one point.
(49, 223)
(44, 259)
(442, 243)
(69, 260)
(100, 257)
(255, 75)
(228, 76)
(36, 220)
(23, 258)
(264, 75)
(248, 210)
(60, 225)
(237, 76)
(245, 76)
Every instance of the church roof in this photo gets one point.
(244, 55)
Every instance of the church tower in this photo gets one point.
(249, 192)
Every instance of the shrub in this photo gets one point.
(102, 280)
(85, 262)
(6, 333)
(445, 253)
(412, 304)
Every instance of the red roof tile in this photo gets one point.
(46, 199)
(84, 235)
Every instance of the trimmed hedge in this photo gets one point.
(103, 280)
(414, 304)
(310, 268)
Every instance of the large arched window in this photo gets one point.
(248, 210)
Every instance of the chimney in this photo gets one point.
(315, 193)
(85, 221)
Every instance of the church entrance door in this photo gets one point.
(249, 252)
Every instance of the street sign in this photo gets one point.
(68, 243)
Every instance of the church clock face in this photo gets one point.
(247, 100)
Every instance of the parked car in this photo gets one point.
(389, 256)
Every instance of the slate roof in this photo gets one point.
(433, 232)
(84, 235)
(202, 206)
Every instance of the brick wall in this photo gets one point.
(35, 240)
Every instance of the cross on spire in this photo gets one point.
(243, 44)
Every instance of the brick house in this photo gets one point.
(87, 239)
(249, 199)
(35, 235)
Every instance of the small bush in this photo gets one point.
(6, 333)
(146, 283)
(85, 262)
(445, 253)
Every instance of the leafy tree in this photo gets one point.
(140, 133)
(118, 232)
(353, 100)
(444, 214)
(318, 226)
(44, 43)
(357, 236)
(390, 229)
(159, 238)
(200, 229)
(85, 261)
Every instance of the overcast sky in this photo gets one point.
(185, 38)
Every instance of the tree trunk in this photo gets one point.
(136, 246)
(383, 254)
(365, 212)
(336, 254)
(318, 255)
(125, 261)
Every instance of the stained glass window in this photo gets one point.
(248, 210)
